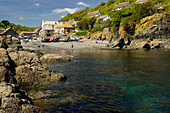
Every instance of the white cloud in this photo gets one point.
(71, 11)
(84, 4)
(37, 4)
(21, 18)
(62, 16)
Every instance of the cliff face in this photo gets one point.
(153, 27)
(152, 32)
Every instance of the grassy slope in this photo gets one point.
(125, 13)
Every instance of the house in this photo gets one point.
(160, 9)
(121, 5)
(105, 18)
(140, 1)
(35, 33)
(64, 29)
(94, 13)
(9, 32)
(48, 28)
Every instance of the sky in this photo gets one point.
(31, 12)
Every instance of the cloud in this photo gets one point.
(37, 4)
(21, 18)
(84, 4)
(62, 16)
(71, 11)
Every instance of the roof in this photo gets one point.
(141, 1)
(160, 8)
(1, 30)
(5, 31)
(93, 13)
(37, 29)
(66, 25)
(70, 21)
(120, 5)
(104, 16)
(49, 22)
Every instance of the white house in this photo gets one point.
(105, 18)
(121, 5)
(94, 13)
(48, 28)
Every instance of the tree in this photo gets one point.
(6, 23)
(92, 21)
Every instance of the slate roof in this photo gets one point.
(5, 31)
(71, 21)
(1, 30)
(93, 13)
(120, 5)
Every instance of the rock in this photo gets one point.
(54, 58)
(147, 46)
(5, 90)
(27, 108)
(13, 99)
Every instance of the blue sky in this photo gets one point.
(31, 12)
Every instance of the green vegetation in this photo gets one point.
(127, 17)
(18, 28)
(96, 29)
(81, 33)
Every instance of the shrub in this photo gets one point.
(81, 33)
(96, 29)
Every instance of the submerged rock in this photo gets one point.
(53, 58)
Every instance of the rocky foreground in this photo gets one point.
(19, 68)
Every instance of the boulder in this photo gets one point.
(12, 99)
(54, 58)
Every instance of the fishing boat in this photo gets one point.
(45, 39)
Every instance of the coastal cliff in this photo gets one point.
(152, 32)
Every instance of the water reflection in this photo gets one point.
(112, 81)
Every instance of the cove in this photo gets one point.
(117, 81)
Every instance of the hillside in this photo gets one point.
(127, 17)
(18, 28)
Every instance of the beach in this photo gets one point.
(83, 44)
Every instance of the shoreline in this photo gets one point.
(77, 45)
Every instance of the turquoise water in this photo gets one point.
(112, 81)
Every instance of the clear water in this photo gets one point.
(112, 81)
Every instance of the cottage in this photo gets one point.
(48, 28)
(35, 33)
(140, 1)
(121, 5)
(160, 9)
(9, 32)
(94, 13)
(64, 29)
(105, 18)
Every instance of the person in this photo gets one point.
(72, 45)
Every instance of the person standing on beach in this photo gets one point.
(72, 45)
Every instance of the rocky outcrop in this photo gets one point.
(12, 99)
(53, 58)
(152, 32)
(18, 68)
(29, 69)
